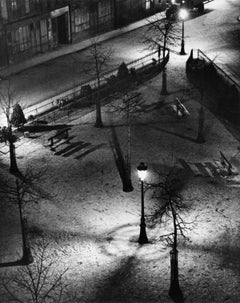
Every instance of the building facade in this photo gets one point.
(30, 27)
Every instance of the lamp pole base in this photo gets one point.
(143, 239)
(182, 52)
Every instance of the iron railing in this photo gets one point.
(75, 92)
(201, 55)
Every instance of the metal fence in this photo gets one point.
(220, 71)
(224, 91)
(75, 93)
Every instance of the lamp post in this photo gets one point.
(142, 170)
(183, 15)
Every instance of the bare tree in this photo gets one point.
(7, 101)
(24, 191)
(200, 68)
(39, 282)
(201, 121)
(101, 56)
(171, 207)
(162, 33)
(129, 104)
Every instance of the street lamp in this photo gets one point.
(142, 171)
(182, 15)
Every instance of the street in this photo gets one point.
(216, 33)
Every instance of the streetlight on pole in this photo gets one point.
(183, 13)
(142, 171)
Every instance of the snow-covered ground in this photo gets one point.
(93, 226)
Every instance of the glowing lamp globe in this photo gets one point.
(142, 171)
(183, 14)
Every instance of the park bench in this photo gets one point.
(61, 136)
(226, 166)
(179, 109)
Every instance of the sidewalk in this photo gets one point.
(71, 48)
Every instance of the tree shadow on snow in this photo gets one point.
(176, 134)
(227, 254)
(116, 287)
(96, 147)
(120, 161)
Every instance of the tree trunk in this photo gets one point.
(13, 162)
(128, 142)
(201, 116)
(159, 55)
(98, 122)
(174, 292)
(164, 82)
(128, 187)
(164, 72)
(201, 120)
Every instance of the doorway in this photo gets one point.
(60, 29)
(62, 24)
